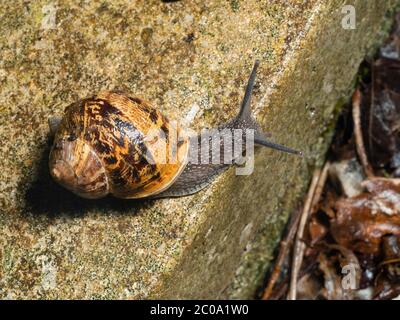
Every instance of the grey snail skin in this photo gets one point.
(107, 144)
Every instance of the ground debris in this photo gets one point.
(344, 243)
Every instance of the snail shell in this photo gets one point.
(114, 143)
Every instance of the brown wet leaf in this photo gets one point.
(362, 221)
(378, 185)
(386, 290)
(332, 281)
(317, 231)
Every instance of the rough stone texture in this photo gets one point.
(183, 56)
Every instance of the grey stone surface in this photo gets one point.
(182, 56)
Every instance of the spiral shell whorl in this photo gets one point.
(76, 166)
(131, 139)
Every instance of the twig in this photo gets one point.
(299, 245)
(390, 261)
(313, 196)
(358, 134)
(283, 251)
(320, 186)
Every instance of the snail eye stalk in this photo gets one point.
(276, 146)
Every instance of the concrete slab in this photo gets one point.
(191, 59)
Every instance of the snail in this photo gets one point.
(114, 143)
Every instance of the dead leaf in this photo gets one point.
(332, 282)
(317, 230)
(362, 221)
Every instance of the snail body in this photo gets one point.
(112, 143)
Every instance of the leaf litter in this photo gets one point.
(344, 243)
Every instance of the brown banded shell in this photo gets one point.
(114, 143)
